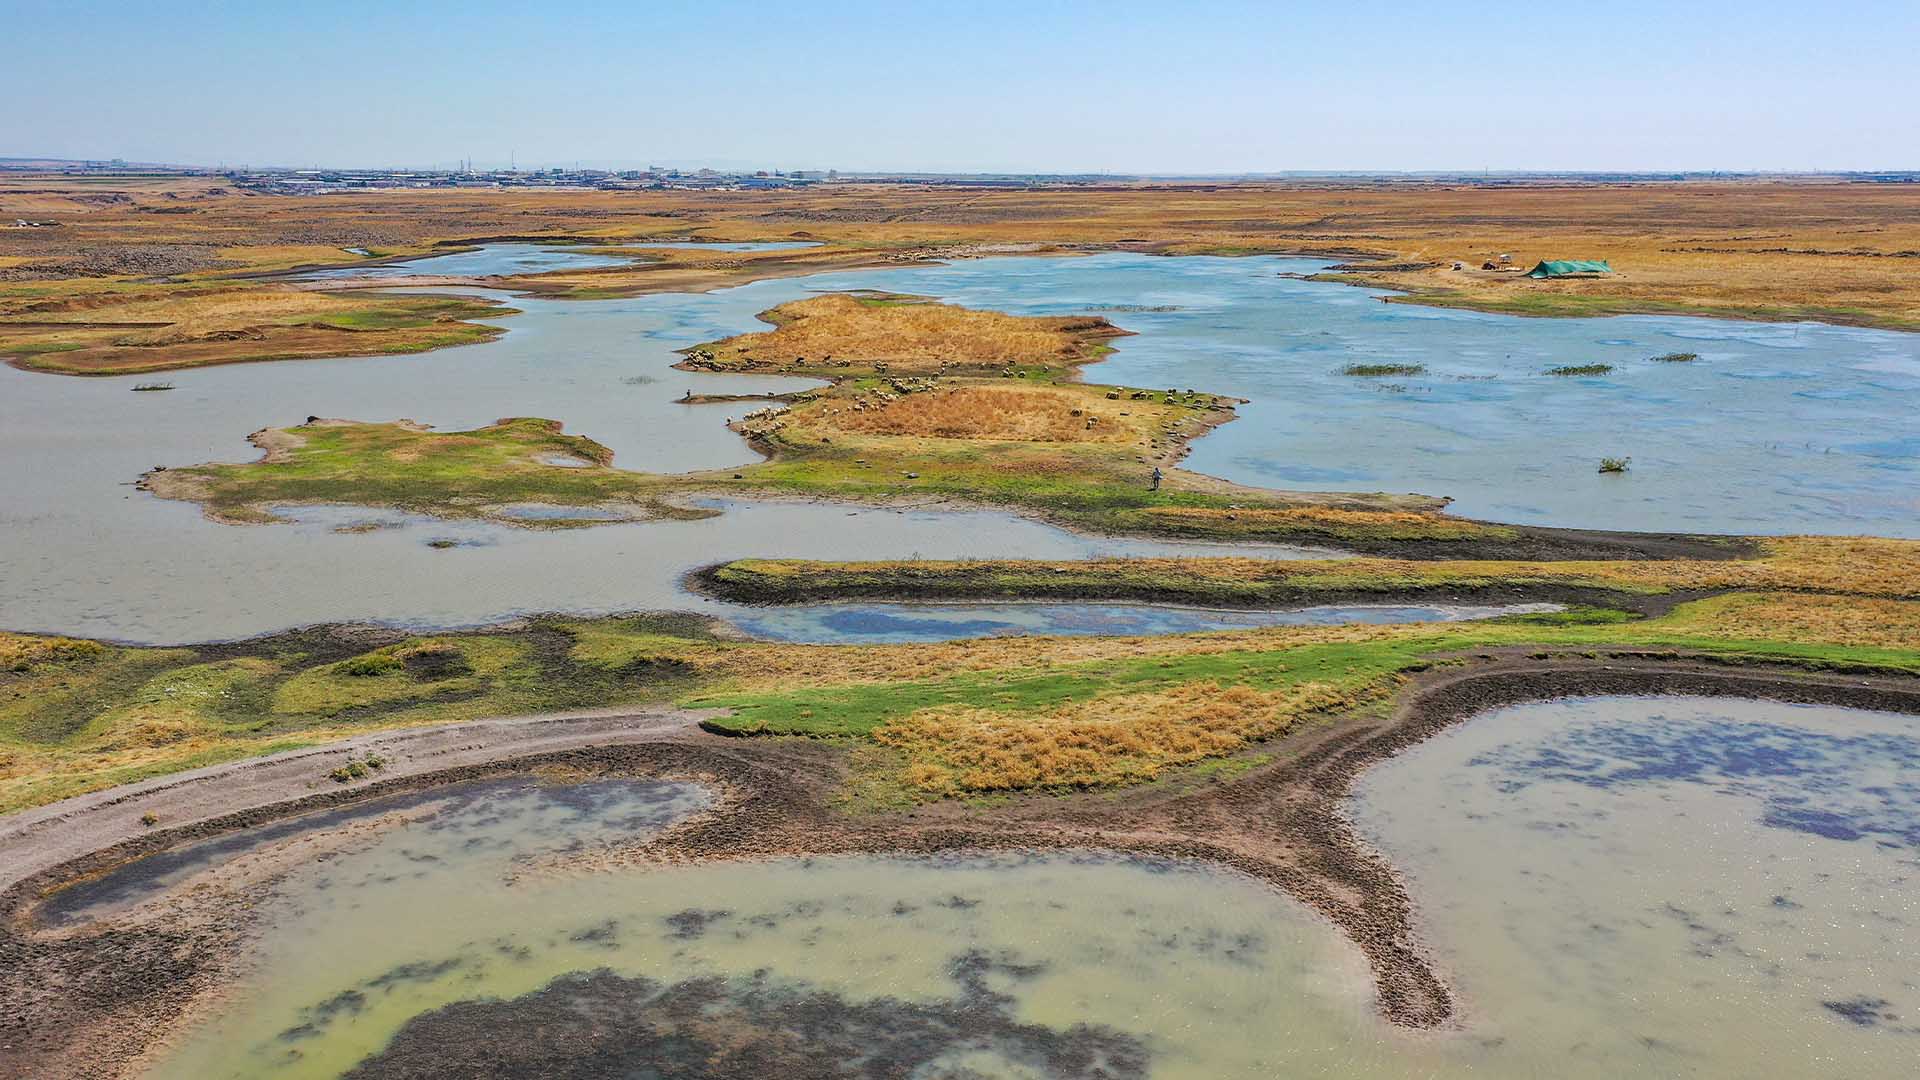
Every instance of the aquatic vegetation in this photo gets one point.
(579, 1023)
(1372, 371)
(1614, 464)
(1675, 358)
(1580, 370)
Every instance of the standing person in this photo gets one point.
(1155, 486)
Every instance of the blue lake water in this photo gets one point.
(1776, 428)
(896, 623)
(504, 259)
(728, 245)
(481, 262)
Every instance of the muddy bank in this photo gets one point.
(88, 1002)
(911, 587)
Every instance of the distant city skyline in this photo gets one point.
(1211, 88)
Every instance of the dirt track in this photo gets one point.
(89, 1004)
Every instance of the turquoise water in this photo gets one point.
(895, 623)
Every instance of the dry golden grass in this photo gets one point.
(1762, 249)
(770, 667)
(1211, 519)
(1024, 414)
(1801, 618)
(148, 331)
(1853, 566)
(1109, 740)
(839, 332)
(24, 652)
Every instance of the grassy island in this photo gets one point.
(149, 330)
(927, 400)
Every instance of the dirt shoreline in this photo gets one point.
(90, 1004)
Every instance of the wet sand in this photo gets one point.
(91, 1002)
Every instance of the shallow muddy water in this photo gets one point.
(1668, 886)
(889, 622)
(1614, 886)
(1009, 966)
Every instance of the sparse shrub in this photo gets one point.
(434, 660)
(149, 819)
(1576, 370)
(1614, 464)
(370, 665)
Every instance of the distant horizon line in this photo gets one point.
(22, 163)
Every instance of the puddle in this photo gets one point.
(890, 623)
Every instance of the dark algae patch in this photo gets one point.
(1369, 371)
(1806, 781)
(601, 1024)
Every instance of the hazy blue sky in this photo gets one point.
(970, 86)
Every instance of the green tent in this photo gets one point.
(1553, 268)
